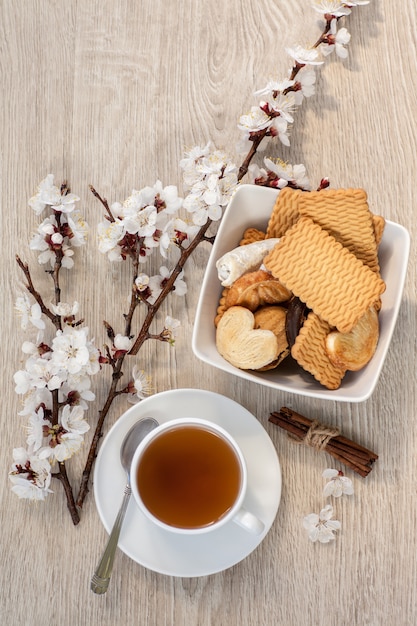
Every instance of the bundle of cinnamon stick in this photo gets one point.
(323, 437)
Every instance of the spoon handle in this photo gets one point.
(101, 577)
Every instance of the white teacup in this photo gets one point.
(189, 476)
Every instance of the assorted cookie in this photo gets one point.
(325, 261)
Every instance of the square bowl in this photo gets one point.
(252, 205)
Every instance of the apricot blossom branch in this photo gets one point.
(55, 381)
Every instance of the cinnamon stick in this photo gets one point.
(302, 430)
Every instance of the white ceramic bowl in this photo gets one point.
(251, 205)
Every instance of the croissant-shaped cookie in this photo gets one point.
(256, 289)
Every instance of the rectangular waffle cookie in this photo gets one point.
(344, 214)
(285, 212)
(310, 352)
(336, 285)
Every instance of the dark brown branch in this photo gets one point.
(260, 135)
(62, 476)
(98, 433)
(112, 394)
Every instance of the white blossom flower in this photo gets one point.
(189, 162)
(279, 127)
(35, 428)
(77, 390)
(67, 260)
(331, 7)
(79, 229)
(41, 241)
(64, 203)
(306, 79)
(342, 39)
(171, 327)
(66, 438)
(69, 350)
(304, 56)
(109, 236)
(295, 174)
(338, 39)
(30, 475)
(168, 196)
(31, 348)
(356, 3)
(37, 202)
(275, 87)
(29, 313)
(39, 373)
(69, 444)
(141, 221)
(180, 286)
(205, 201)
(169, 236)
(212, 179)
(48, 256)
(142, 383)
(321, 527)
(22, 381)
(338, 484)
(176, 232)
(155, 287)
(157, 281)
(57, 239)
(254, 121)
(142, 282)
(201, 212)
(34, 399)
(49, 194)
(72, 420)
(257, 173)
(65, 310)
(121, 342)
(284, 105)
(47, 240)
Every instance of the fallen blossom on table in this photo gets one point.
(321, 527)
(337, 485)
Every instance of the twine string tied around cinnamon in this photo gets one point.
(317, 436)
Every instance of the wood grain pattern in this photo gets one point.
(109, 93)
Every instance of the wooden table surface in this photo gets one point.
(110, 94)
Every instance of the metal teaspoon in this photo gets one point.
(101, 577)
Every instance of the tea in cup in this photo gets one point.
(189, 476)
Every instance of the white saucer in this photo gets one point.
(201, 555)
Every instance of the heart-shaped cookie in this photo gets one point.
(242, 345)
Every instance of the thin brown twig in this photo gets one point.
(104, 202)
